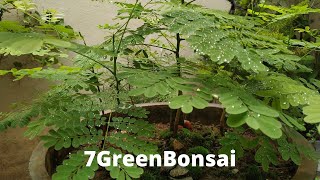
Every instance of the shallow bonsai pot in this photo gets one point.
(43, 161)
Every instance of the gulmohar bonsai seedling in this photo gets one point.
(247, 63)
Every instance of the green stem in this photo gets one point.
(126, 25)
(190, 2)
(1, 13)
(222, 122)
(176, 122)
(178, 113)
(171, 44)
(115, 69)
(105, 131)
(115, 58)
(28, 14)
(177, 52)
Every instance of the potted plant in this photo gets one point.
(254, 72)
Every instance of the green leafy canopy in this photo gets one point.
(253, 71)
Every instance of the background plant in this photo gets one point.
(30, 21)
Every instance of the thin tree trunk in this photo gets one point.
(222, 122)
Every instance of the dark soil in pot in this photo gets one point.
(203, 136)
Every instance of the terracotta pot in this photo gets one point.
(43, 161)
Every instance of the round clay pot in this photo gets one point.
(43, 161)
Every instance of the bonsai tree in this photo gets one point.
(254, 72)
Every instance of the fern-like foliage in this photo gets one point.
(75, 167)
(288, 150)
(123, 172)
(78, 131)
(225, 39)
(150, 83)
(20, 119)
(245, 108)
(289, 92)
(266, 154)
(232, 140)
(132, 111)
(72, 136)
(280, 14)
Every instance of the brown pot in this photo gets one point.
(43, 161)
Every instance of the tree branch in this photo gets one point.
(190, 2)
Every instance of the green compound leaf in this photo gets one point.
(288, 151)
(304, 147)
(266, 154)
(287, 90)
(132, 111)
(234, 140)
(132, 143)
(75, 168)
(150, 84)
(268, 125)
(132, 125)
(65, 138)
(245, 108)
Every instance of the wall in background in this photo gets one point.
(86, 15)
